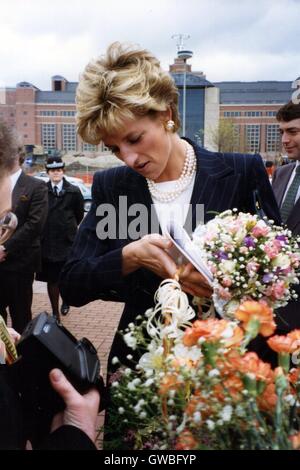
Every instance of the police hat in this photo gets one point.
(53, 163)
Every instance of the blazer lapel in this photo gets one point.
(19, 192)
(282, 182)
(214, 186)
(138, 204)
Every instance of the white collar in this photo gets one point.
(14, 177)
(58, 185)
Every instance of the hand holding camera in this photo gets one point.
(46, 345)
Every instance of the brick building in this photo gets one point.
(47, 118)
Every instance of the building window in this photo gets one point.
(49, 136)
(25, 124)
(25, 136)
(57, 85)
(232, 113)
(24, 112)
(69, 136)
(48, 113)
(11, 114)
(253, 113)
(68, 113)
(103, 148)
(273, 138)
(253, 137)
(89, 147)
(271, 113)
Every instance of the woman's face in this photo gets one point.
(144, 145)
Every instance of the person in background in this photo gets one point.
(270, 168)
(127, 101)
(75, 427)
(286, 186)
(20, 255)
(65, 213)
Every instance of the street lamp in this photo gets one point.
(184, 55)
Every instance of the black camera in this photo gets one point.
(46, 344)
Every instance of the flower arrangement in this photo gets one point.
(249, 258)
(197, 387)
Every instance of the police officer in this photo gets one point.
(65, 213)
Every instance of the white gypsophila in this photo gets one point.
(148, 383)
(214, 373)
(130, 340)
(143, 415)
(129, 357)
(192, 353)
(131, 386)
(210, 424)
(121, 410)
(127, 372)
(226, 413)
(115, 384)
(197, 417)
(115, 360)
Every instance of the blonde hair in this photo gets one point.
(125, 83)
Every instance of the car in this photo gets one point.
(85, 190)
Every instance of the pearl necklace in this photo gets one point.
(188, 171)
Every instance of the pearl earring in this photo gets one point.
(170, 125)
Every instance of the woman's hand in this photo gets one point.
(149, 252)
(193, 282)
(81, 410)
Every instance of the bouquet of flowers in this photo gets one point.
(197, 387)
(249, 258)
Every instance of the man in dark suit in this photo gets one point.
(20, 255)
(286, 186)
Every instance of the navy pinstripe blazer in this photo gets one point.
(93, 271)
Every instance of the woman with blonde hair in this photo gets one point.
(125, 100)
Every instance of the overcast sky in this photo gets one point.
(231, 39)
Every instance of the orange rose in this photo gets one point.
(186, 441)
(211, 330)
(295, 440)
(253, 310)
(293, 375)
(250, 363)
(169, 382)
(281, 344)
(267, 400)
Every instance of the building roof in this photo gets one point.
(192, 80)
(26, 85)
(263, 92)
(58, 77)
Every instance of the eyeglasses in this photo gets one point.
(8, 224)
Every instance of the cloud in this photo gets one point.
(231, 40)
